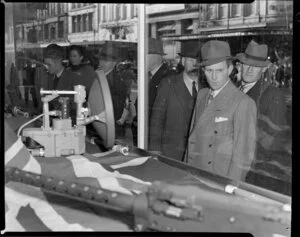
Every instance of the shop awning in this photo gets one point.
(207, 35)
(167, 28)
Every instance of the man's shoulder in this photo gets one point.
(172, 78)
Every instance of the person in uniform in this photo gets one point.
(173, 107)
(223, 132)
(273, 155)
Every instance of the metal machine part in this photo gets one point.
(171, 207)
(63, 138)
(65, 107)
(100, 102)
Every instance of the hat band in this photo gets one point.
(255, 58)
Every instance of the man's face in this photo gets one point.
(52, 65)
(190, 66)
(106, 64)
(251, 73)
(217, 74)
(153, 60)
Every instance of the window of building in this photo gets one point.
(223, 11)
(60, 29)
(104, 14)
(131, 15)
(212, 11)
(90, 19)
(46, 29)
(135, 14)
(73, 5)
(118, 12)
(236, 10)
(52, 33)
(249, 9)
(74, 21)
(55, 5)
(79, 24)
(84, 20)
(59, 6)
(112, 11)
(41, 34)
(124, 16)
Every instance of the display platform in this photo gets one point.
(140, 191)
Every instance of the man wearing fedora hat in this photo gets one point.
(173, 107)
(157, 71)
(274, 135)
(222, 135)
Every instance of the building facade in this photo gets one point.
(230, 22)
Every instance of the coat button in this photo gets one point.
(216, 132)
(210, 145)
(209, 162)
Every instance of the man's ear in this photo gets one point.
(230, 68)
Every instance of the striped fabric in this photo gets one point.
(30, 209)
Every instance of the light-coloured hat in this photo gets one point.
(155, 46)
(190, 49)
(255, 55)
(215, 51)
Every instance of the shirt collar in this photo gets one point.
(155, 70)
(189, 80)
(59, 74)
(216, 92)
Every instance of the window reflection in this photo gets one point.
(108, 35)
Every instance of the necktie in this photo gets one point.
(210, 98)
(194, 90)
(55, 82)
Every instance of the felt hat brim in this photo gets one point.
(250, 61)
(188, 56)
(214, 61)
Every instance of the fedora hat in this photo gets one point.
(255, 55)
(215, 51)
(155, 46)
(190, 49)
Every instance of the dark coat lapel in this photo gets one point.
(155, 80)
(183, 95)
(255, 91)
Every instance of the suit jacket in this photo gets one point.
(223, 135)
(170, 119)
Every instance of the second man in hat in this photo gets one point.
(173, 107)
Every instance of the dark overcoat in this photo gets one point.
(273, 153)
(171, 116)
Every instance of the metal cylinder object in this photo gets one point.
(65, 107)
